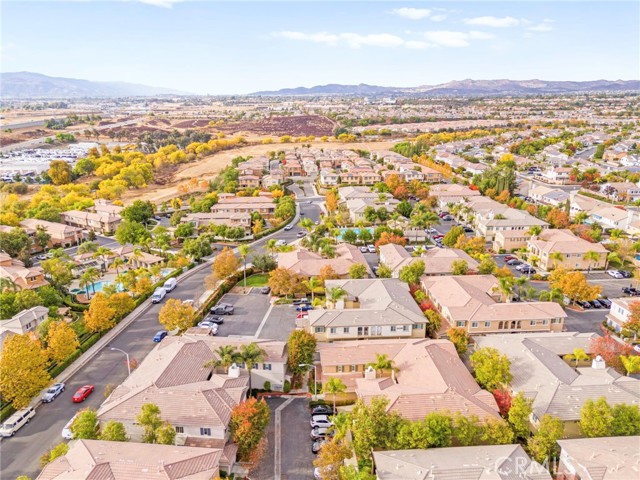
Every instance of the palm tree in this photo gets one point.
(613, 257)
(87, 247)
(89, 277)
(553, 295)
(341, 424)
(312, 284)
(334, 386)
(227, 355)
(556, 257)
(251, 354)
(591, 257)
(271, 245)
(103, 253)
(335, 294)
(579, 354)
(535, 230)
(244, 250)
(631, 364)
(521, 282)
(135, 257)
(382, 363)
(117, 262)
(580, 217)
(7, 284)
(307, 224)
(505, 285)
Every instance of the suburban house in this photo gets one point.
(611, 217)
(228, 203)
(358, 206)
(472, 302)
(99, 222)
(191, 397)
(381, 307)
(548, 196)
(621, 191)
(271, 180)
(620, 312)
(248, 181)
(23, 277)
(555, 176)
(202, 219)
(292, 168)
(329, 177)
(309, 264)
(510, 240)
(430, 377)
(482, 462)
(24, 322)
(437, 261)
(61, 235)
(500, 217)
(99, 459)
(272, 368)
(604, 458)
(556, 387)
(136, 257)
(431, 175)
(446, 193)
(574, 251)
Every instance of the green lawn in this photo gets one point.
(259, 280)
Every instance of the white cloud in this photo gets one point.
(541, 27)
(446, 38)
(497, 22)
(418, 45)
(412, 13)
(353, 40)
(438, 18)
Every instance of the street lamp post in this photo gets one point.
(128, 362)
(315, 383)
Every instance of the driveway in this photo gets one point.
(588, 321)
(280, 323)
(247, 316)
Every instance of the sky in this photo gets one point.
(235, 47)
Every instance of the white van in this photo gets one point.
(16, 422)
(158, 295)
(169, 285)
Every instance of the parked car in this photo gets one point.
(52, 392)
(170, 284)
(160, 336)
(528, 270)
(82, 393)
(595, 304)
(318, 433)
(288, 227)
(371, 248)
(222, 309)
(435, 237)
(509, 257)
(630, 291)
(213, 319)
(158, 295)
(280, 243)
(213, 330)
(320, 421)
(322, 410)
(614, 274)
(585, 305)
(265, 290)
(364, 249)
(66, 431)
(16, 421)
(41, 257)
(300, 301)
(447, 218)
(301, 234)
(431, 230)
(520, 266)
(514, 262)
(317, 445)
(626, 273)
(303, 307)
(206, 324)
(468, 230)
(302, 315)
(605, 302)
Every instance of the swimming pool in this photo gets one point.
(98, 287)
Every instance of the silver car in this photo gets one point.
(53, 391)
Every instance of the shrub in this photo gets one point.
(287, 386)
(267, 386)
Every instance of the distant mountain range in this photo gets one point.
(36, 85)
(466, 87)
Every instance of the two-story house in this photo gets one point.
(61, 235)
(620, 312)
(23, 277)
(576, 252)
(24, 322)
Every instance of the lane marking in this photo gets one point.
(277, 447)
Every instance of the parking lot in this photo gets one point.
(280, 323)
(249, 311)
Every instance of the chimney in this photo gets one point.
(234, 371)
(598, 363)
(370, 373)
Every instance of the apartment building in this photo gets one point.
(202, 219)
(604, 458)
(102, 222)
(23, 277)
(510, 240)
(228, 203)
(437, 261)
(575, 251)
(24, 322)
(61, 235)
(620, 312)
(310, 264)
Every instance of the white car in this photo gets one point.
(66, 431)
(288, 227)
(280, 243)
(614, 274)
(364, 249)
(320, 421)
(52, 392)
(431, 230)
(371, 248)
(522, 265)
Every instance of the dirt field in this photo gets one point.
(209, 167)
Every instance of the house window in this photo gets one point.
(333, 330)
(205, 432)
(354, 368)
(460, 324)
(393, 328)
(255, 366)
(266, 366)
(179, 429)
(556, 320)
(345, 330)
(545, 321)
(532, 323)
(339, 369)
(405, 328)
(418, 326)
(319, 329)
(474, 324)
(487, 324)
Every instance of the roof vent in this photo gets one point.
(370, 373)
(598, 363)
(234, 371)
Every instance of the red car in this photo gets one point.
(82, 393)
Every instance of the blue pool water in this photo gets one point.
(100, 285)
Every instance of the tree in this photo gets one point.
(610, 350)
(497, 432)
(334, 386)
(248, 423)
(264, 263)
(331, 200)
(384, 271)
(631, 364)
(165, 434)
(350, 236)
(492, 369)
(521, 408)
(404, 208)
(633, 323)
(411, 273)
(244, 250)
(350, 472)
(14, 242)
(225, 264)
(357, 271)
(113, 432)
(149, 419)
(284, 282)
(312, 284)
(591, 257)
(487, 266)
(558, 218)
(373, 427)
(364, 235)
(184, 230)
(435, 322)
(176, 314)
(139, 211)
(23, 370)
(250, 355)
(459, 267)
(301, 349)
(197, 248)
(122, 304)
(41, 237)
(227, 356)
(388, 237)
(100, 316)
(89, 277)
(578, 355)
(626, 420)
(327, 273)
(460, 339)
(574, 285)
(383, 363)
(85, 425)
(596, 418)
(62, 341)
(543, 444)
(131, 232)
(452, 235)
(49, 456)
(331, 457)
(466, 430)
(60, 172)
(335, 294)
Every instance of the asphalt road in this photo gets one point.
(19, 455)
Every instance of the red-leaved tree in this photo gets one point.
(503, 399)
(610, 350)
